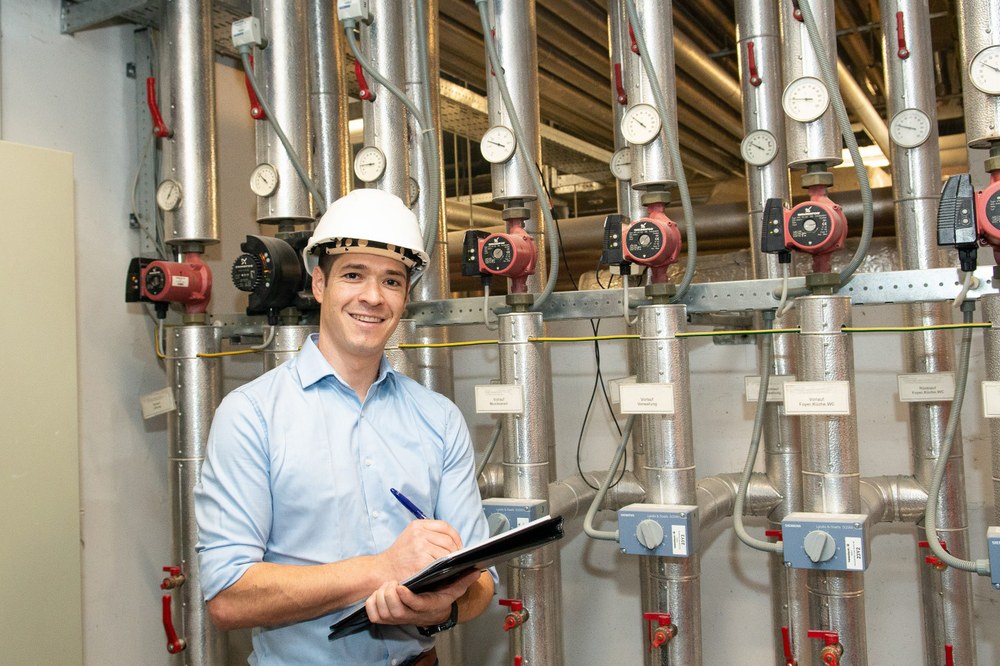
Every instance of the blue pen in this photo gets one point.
(410, 506)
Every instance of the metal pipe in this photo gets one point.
(629, 198)
(703, 69)
(857, 101)
(669, 584)
(978, 25)
(570, 498)
(991, 342)
(189, 154)
(529, 468)
(197, 385)
(893, 499)
(279, 70)
(328, 96)
(386, 115)
(717, 496)
(286, 344)
(830, 470)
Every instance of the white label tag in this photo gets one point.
(991, 400)
(157, 402)
(615, 388)
(647, 398)
(854, 553)
(926, 387)
(499, 399)
(817, 398)
(775, 387)
(179, 280)
(678, 536)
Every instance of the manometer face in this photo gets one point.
(640, 124)
(498, 144)
(168, 195)
(264, 180)
(369, 164)
(984, 70)
(909, 128)
(759, 148)
(805, 99)
(621, 164)
(412, 192)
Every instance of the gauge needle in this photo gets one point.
(640, 123)
(986, 64)
(755, 146)
(497, 143)
(908, 127)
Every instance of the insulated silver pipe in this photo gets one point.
(651, 164)
(197, 387)
(669, 584)
(629, 203)
(991, 340)
(188, 108)
(282, 70)
(385, 118)
(818, 140)
(570, 498)
(916, 177)
(830, 470)
(978, 27)
(328, 97)
(893, 499)
(529, 468)
(286, 344)
(717, 496)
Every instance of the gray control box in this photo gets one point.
(504, 513)
(993, 541)
(826, 541)
(665, 530)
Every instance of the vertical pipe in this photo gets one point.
(669, 584)
(991, 340)
(629, 199)
(282, 70)
(286, 344)
(819, 140)
(328, 97)
(831, 479)
(978, 27)
(385, 118)
(189, 156)
(916, 175)
(197, 386)
(528, 469)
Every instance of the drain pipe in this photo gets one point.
(916, 175)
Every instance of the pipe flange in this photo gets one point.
(195, 319)
(992, 163)
(660, 292)
(187, 247)
(817, 178)
(520, 302)
(515, 213)
(822, 284)
(655, 196)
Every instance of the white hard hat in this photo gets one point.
(370, 221)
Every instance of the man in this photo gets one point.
(296, 521)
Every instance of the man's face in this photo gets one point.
(361, 302)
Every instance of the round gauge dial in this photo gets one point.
(621, 164)
(369, 164)
(169, 195)
(264, 180)
(909, 128)
(759, 147)
(984, 70)
(640, 124)
(805, 99)
(412, 192)
(498, 144)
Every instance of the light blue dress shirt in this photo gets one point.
(298, 471)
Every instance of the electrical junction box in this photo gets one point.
(826, 541)
(663, 530)
(504, 513)
(993, 541)
(353, 9)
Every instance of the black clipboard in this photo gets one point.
(450, 567)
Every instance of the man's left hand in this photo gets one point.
(393, 603)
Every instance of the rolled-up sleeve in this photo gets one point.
(233, 496)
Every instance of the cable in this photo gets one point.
(522, 149)
(966, 285)
(784, 305)
(588, 521)
(830, 79)
(433, 345)
(758, 428)
(489, 449)
(981, 567)
(431, 232)
(292, 155)
(268, 339)
(486, 309)
(673, 148)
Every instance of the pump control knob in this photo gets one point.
(649, 533)
(819, 546)
(497, 523)
(247, 272)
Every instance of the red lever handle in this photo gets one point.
(902, 52)
(796, 12)
(773, 533)
(620, 85)
(174, 644)
(256, 110)
(949, 655)
(786, 643)
(160, 129)
(828, 637)
(175, 579)
(755, 79)
(631, 35)
(364, 92)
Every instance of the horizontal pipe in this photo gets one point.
(893, 499)
(717, 496)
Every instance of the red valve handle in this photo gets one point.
(256, 110)
(517, 615)
(631, 35)
(620, 85)
(160, 129)
(518, 659)
(513, 604)
(949, 655)
(773, 533)
(175, 579)
(755, 79)
(174, 644)
(828, 637)
(796, 12)
(902, 52)
(830, 654)
(786, 644)
(664, 631)
(364, 92)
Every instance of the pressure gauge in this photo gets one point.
(369, 164)
(412, 192)
(909, 128)
(168, 195)
(621, 164)
(984, 71)
(805, 99)
(498, 144)
(640, 124)
(759, 147)
(264, 180)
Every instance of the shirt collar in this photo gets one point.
(312, 366)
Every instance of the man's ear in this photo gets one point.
(318, 283)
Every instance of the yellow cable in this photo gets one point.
(469, 343)
(586, 338)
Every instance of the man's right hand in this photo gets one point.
(422, 542)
